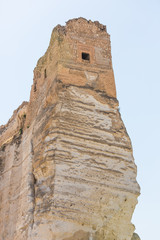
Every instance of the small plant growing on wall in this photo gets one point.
(20, 131)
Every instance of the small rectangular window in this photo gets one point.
(85, 56)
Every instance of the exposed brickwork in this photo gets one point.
(67, 170)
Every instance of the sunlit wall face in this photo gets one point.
(25, 28)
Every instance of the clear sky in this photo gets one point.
(134, 26)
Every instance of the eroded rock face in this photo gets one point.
(135, 237)
(66, 167)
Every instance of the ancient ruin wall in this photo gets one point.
(67, 170)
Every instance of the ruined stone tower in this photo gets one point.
(66, 164)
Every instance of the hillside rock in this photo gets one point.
(67, 170)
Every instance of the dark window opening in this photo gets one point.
(85, 56)
(45, 73)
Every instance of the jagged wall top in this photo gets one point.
(85, 26)
(80, 25)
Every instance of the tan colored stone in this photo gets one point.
(66, 165)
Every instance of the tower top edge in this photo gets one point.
(82, 25)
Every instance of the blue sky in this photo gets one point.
(134, 26)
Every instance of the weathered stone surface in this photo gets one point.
(135, 237)
(66, 166)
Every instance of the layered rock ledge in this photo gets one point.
(66, 162)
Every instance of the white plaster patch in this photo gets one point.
(91, 77)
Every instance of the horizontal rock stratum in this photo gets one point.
(67, 170)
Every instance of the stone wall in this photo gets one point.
(66, 167)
